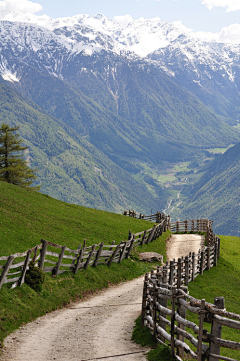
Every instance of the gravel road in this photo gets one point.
(180, 245)
(98, 328)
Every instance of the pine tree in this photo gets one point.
(13, 167)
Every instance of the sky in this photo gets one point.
(214, 16)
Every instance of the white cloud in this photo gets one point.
(123, 20)
(229, 34)
(180, 25)
(24, 6)
(230, 5)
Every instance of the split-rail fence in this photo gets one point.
(157, 217)
(169, 284)
(57, 259)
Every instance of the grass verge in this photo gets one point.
(143, 336)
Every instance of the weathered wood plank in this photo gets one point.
(56, 269)
(25, 267)
(5, 270)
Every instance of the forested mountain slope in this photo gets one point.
(217, 194)
(69, 167)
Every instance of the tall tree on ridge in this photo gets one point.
(13, 166)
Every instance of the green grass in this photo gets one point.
(165, 178)
(143, 336)
(221, 150)
(223, 280)
(27, 216)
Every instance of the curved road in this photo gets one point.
(99, 328)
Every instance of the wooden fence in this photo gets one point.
(54, 258)
(165, 323)
(192, 226)
(157, 217)
(170, 283)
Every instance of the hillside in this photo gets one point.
(27, 216)
(217, 194)
(70, 168)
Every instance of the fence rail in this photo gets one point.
(165, 323)
(170, 283)
(157, 217)
(191, 226)
(57, 259)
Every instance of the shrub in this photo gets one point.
(34, 277)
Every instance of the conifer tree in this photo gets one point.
(13, 167)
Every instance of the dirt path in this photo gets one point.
(99, 328)
(89, 330)
(181, 244)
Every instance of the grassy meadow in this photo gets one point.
(27, 216)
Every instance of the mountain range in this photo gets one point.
(97, 101)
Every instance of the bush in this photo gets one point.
(34, 277)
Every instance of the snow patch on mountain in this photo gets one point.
(8, 76)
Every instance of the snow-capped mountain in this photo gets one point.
(152, 40)
(68, 46)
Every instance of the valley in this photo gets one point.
(114, 127)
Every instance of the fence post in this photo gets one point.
(143, 237)
(131, 245)
(177, 224)
(110, 249)
(43, 253)
(171, 272)
(208, 259)
(76, 255)
(202, 262)
(163, 303)
(5, 270)
(21, 281)
(123, 251)
(193, 225)
(114, 254)
(144, 298)
(179, 272)
(80, 257)
(181, 310)
(90, 256)
(218, 240)
(98, 255)
(56, 269)
(186, 270)
(154, 312)
(193, 265)
(172, 322)
(215, 253)
(216, 329)
(200, 333)
(159, 275)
